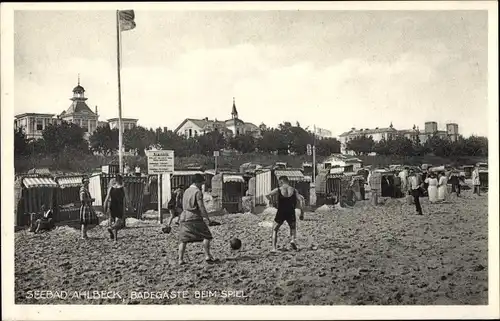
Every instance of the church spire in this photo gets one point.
(78, 79)
(234, 112)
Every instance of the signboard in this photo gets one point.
(309, 151)
(160, 161)
(216, 153)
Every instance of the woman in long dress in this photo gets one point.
(432, 188)
(116, 201)
(442, 187)
(88, 217)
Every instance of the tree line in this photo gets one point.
(286, 139)
(403, 146)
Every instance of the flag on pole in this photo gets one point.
(126, 19)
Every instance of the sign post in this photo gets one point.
(216, 155)
(160, 162)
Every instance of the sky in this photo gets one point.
(332, 69)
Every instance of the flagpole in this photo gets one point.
(120, 126)
(314, 155)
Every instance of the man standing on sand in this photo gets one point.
(288, 201)
(476, 181)
(414, 182)
(192, 227)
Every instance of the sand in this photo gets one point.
(383, 255)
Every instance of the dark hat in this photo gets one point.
(198, 178)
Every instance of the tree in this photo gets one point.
(327, 146)
(210, 142)
(476, 146)
(273, 140)
(20, 142)
(104, 140)
(243, 143)
(438, 146)
(361, 145)
(400, 146)
(64, 137)
(138, 138)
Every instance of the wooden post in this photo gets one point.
(159, 199)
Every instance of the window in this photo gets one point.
(85, 125)
(39, 124)
(190, 133)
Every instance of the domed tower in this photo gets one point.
(79, 112)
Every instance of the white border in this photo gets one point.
(205, 312)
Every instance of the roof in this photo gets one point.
(209, 124)
(69, 181)
(123, 119)
(210, 171)
(79, 106)
(233, 178)
(43, 171)
(293, 175)
(368, 131)
(33, 114)
(201, 123)
(33, 182)
(78, 89)
(345, 158)
(186, 173)
(238, 121)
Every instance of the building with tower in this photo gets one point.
(452, 131)
(80, 113)
(191, 127)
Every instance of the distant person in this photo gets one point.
(476, 181)
(415, 186)
(116, 201)
(138, 171)
(192, 227)
(288, 201)
(397, 187)
(175, 207)
(88, 217)
(455, 183)
(442, 187)
(46, 222)
(146, 198)
(403, 175)
(432, 187)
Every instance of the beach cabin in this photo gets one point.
(68, 197)
(328, 188)
(31, 192)
(209, 174)
(349, 163)
(483, 175)
(99, 184)
(382, 182)
(228, 190)
(267, 179)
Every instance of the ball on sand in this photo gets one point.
(235, 243)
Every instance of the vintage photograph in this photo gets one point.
(251, 157)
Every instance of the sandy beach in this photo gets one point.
(374, 255)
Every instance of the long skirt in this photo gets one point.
(88, 215)
(433, 193)
(194, 231)
(442, 191)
